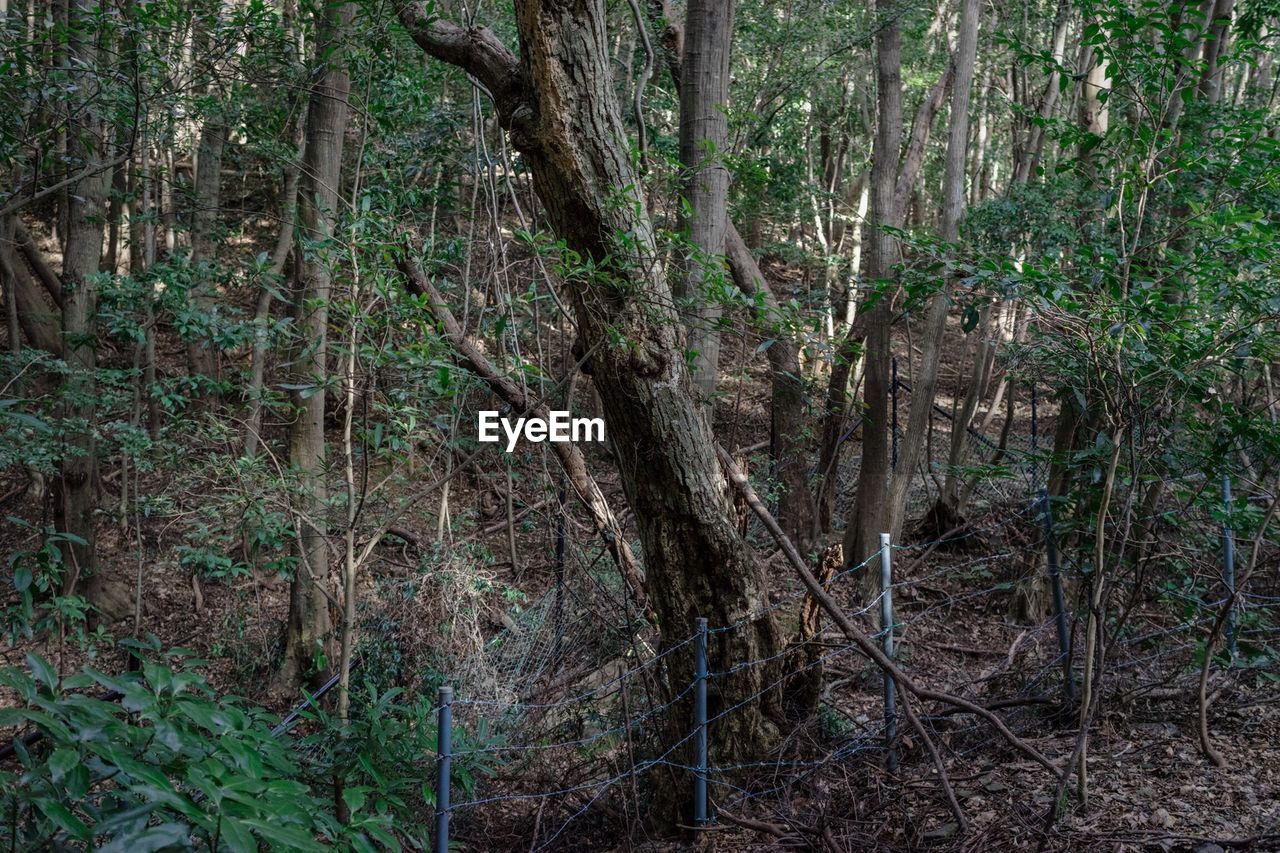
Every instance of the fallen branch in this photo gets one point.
(571, 458)
(855, 636)
(502, 525)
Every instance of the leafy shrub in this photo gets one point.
(168, 766)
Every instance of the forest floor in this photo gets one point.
(1150, 786)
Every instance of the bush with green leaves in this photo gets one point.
(385, 757)
(170, 765)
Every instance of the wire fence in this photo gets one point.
(579, 719)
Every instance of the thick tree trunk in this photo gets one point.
(308, 633)
(559, 105)
(704, 135)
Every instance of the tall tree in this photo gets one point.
(953, 185)
(704, 135)
(557, 101)
(202, 351)
(861, 538)
(86, 211)
(309, 628)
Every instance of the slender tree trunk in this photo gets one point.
(788, 424)
(925, 378)
(788, 444)
(308, 634)
(1215, 47)
(1049, 100)
(202, 352)
(977, 190)
(867, 518)
(279, 257)
(86, 213)
(704, 132)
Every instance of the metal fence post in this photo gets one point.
(700, 720)
(886, 626)
(1059, 602)
(444, 757)
(1229, 564)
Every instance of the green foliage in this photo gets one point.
(168, 765)
(161, 761)
(41, 608)
(385, 757)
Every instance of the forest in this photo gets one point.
(593, 425)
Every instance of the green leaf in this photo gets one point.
(237, 836)
(61, 762)
(62, 816)
(163, 837)
(354, 797)
(43, 671)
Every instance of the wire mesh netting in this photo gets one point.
(584, 718)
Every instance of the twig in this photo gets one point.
(1202, 700)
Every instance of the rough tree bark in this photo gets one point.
(308, 632)
(557, 101)
(704, 134)
(86, 212)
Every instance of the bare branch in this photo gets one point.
(571, 458)
(477, 51)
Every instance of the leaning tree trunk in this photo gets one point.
(704, 135)
(308, 633)
(557, 101)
